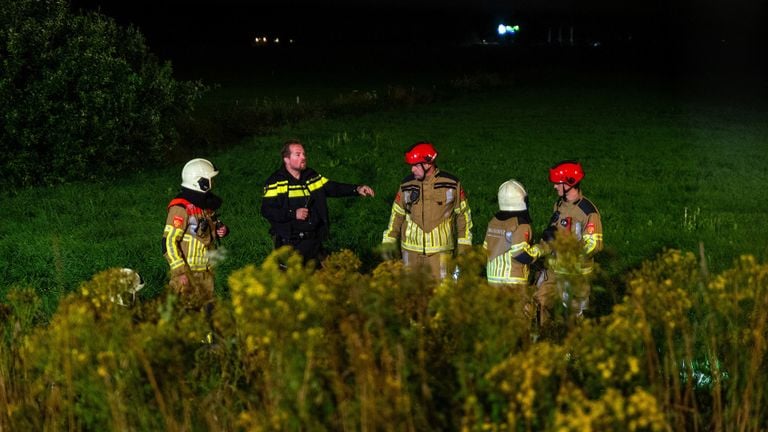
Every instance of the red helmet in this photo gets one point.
(421, 152)
(568, 172)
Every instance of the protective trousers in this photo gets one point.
(522, 295)
(436, 263)
(198, 292)
(558, 291)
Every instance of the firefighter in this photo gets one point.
(295, 205)
(508, 242)
(192, 232)
(430, 215)
(577, 216)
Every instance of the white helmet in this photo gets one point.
(129, 283)
(512, 196)
(197, 175)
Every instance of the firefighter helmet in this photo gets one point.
(197, 175)
(421, 152)
(566, 172)
(512, 196)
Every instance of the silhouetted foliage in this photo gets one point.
(80, 96)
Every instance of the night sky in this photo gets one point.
(696, 21)
(708, 31)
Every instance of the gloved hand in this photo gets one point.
(389, 250)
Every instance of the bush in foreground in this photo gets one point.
(334, 349)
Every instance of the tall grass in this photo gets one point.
(675, 340)
(664, 170)
(341, 349)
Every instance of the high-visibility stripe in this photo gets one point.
(465, 237)
(277, 184)
(172, 236)
(499, 270)
(517, 248)
(582, 270)
(440, 239)
(276, 189)
(316, 183)
(198, 253)
(591, 242)
(397, 211)
(507, 280)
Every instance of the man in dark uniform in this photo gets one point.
(577, 216)
(294, 203)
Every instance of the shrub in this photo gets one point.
(336, 349)
(80, 96)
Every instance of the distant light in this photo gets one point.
(504, 29)
(256, 40)
(277, 40)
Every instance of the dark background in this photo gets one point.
(678, 40)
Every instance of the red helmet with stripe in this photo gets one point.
(566, 172)
(421, 152)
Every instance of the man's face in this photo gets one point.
(296, 160)
(421, 170)
(560, 188)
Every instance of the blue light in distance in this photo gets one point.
(506, 29)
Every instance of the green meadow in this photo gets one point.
(666, 170)
(677, 174)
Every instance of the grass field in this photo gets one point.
(665, 170)
(348, 348)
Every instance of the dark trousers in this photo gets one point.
(310, 247)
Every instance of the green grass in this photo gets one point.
(664, 170)
(337, 349)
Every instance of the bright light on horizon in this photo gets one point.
(504, 29)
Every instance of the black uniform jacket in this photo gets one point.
(283, 194)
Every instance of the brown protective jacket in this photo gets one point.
(190, 232)
(508, 244)
(430, 216)
(581, 219)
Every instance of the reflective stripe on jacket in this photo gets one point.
(283, 194)
(582, 220)
(430, 216)
(507, 242)
(188, 235)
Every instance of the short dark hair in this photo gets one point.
(286, 151)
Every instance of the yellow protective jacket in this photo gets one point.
(508, 245)
(430, 216)
(190, 232)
